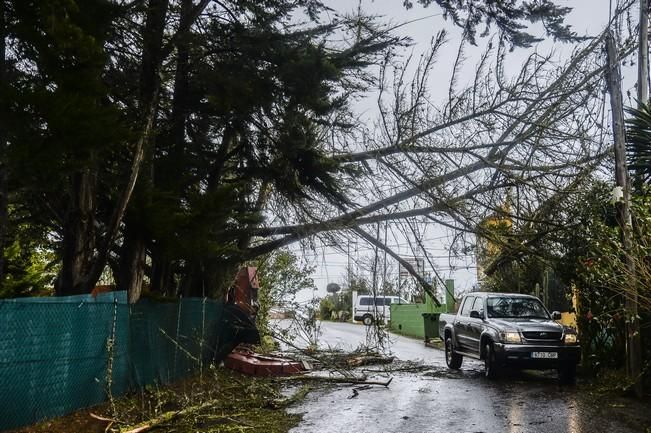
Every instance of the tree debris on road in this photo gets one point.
(340, 380)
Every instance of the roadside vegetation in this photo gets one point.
(219, 401)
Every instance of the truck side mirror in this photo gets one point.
(556, 315)
(474, 314)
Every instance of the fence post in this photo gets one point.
(178, 330)
(203, 336)
(110, 349)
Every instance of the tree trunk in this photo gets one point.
(78, 235)
(4, 190)
(208, 277)
(633, 344)
(180, 102)
(191, 279)
(152, 50)
(161, 273)
(132, 264)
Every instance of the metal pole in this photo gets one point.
(178, 329)
(349, 263)
(384, 264)
(203, 336)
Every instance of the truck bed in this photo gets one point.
(444, 319)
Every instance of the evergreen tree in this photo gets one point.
(509, 16)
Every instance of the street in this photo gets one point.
(435, 399)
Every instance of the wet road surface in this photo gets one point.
(435, 399)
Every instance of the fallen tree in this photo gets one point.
(535, 133)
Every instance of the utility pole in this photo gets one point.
(643, 55)
(633, 346)
(642, 74)
(348, 256)
(375, 261)
(384, 264)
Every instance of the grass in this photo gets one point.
(220, 401)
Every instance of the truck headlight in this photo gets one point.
(570, 339)
(511, 337)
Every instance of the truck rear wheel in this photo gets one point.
(452, 359)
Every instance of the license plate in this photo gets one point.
(544, 355)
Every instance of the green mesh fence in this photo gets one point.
(61, 354)
(171, 340)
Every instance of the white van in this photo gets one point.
(368, 308)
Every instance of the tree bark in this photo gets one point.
(78, 235)
(132, 264)
(161, 272)
(152, 54)
(192, 279)
(633, 343)
(180, 102)
(4, 190)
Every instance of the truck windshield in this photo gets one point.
(514, 307)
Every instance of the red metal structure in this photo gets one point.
(242, 304)
(254, 364)
(244, 292)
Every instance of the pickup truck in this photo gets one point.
(506, 329)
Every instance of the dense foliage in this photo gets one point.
(148, 135)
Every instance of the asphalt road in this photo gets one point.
(435, 399)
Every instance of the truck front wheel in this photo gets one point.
(567, 374)
(491, 369)
(452, 359)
